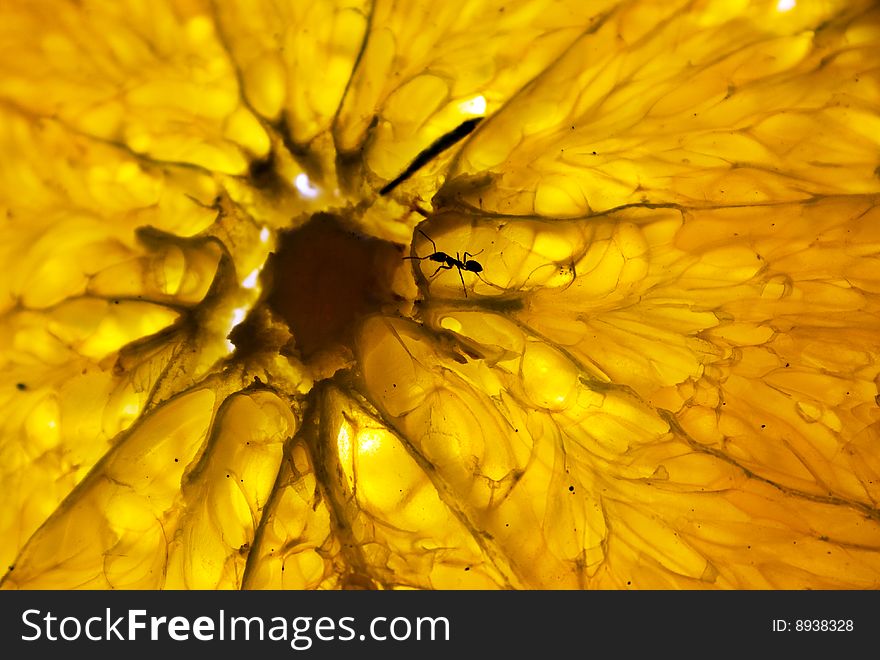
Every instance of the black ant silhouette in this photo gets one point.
(448, 262)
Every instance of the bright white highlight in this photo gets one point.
(785, 5)
(251, 280)
(264, 235)
(305, 187)
(474, 106)
(238, 315)
(343, 445)
(369, 442)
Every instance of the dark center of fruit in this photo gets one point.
(323, 279)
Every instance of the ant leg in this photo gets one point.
(439, 268)
(467, 255)
(460, 276)
(463, 287)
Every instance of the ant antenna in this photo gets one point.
(433, 244)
